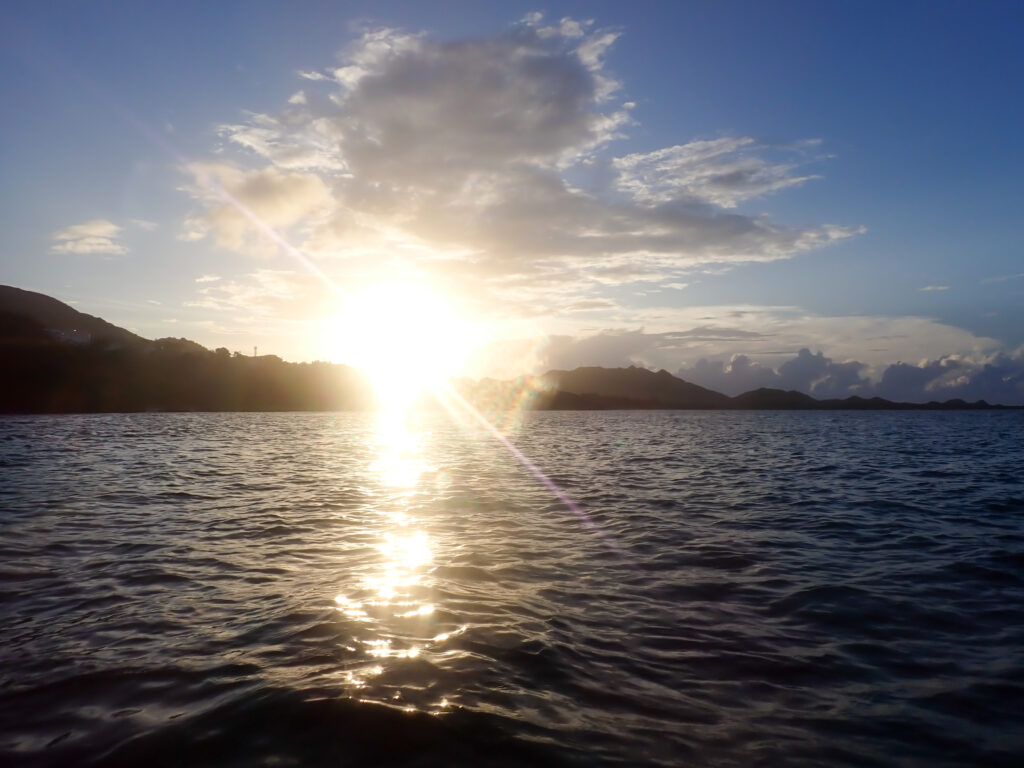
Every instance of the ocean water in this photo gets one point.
(593, 589)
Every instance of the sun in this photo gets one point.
(406, 336)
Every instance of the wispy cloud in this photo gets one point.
(98, 236)
(929, 288)
(723, 172)
(276, 296)
(1003, 278)
(277, 198)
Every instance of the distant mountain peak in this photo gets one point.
(658, 388)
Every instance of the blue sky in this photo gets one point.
(706, 187)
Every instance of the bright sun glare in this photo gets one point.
(406, 337)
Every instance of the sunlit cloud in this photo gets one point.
(676, 339)
(490, 166)
(272, 294)
(591, 305)
(277, 198)
(490, 159)
(98, 236)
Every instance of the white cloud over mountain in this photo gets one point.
(996, 377)
(475, 152)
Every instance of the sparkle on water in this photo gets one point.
(722, 589)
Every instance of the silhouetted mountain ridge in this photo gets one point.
(658, 388)
(663, 390)
(62, 321)
(55, 359)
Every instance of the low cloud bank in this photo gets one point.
(996, 378)
(993, 376)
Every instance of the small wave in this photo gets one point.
(278, 727)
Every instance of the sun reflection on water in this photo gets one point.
(399, 463)
(392, 613)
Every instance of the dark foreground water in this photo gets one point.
(748, 589)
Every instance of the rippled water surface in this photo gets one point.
(341, 589)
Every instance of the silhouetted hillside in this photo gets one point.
(657, 390)
(774, 399)
(54, 359)
(64, 378)
(61, 321)
(639, 388)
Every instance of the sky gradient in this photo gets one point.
(821, 196)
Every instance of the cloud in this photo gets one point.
(92, 237)
(740, 374)
(93, 228)
(496, 153)
(619, 348)
(733, 349)
(591, 305)
(610, 349)
(208, 279)
(680, 336)
(723, 172)
(821, 376)
(996, 378)
(1003, 278)
(274, 297)
(246, 210)
(934, 288)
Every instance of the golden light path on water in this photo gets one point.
(392, 604)
(405, 554)
(400, 633)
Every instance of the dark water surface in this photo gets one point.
(734, 589)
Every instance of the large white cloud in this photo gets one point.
(474, 150)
